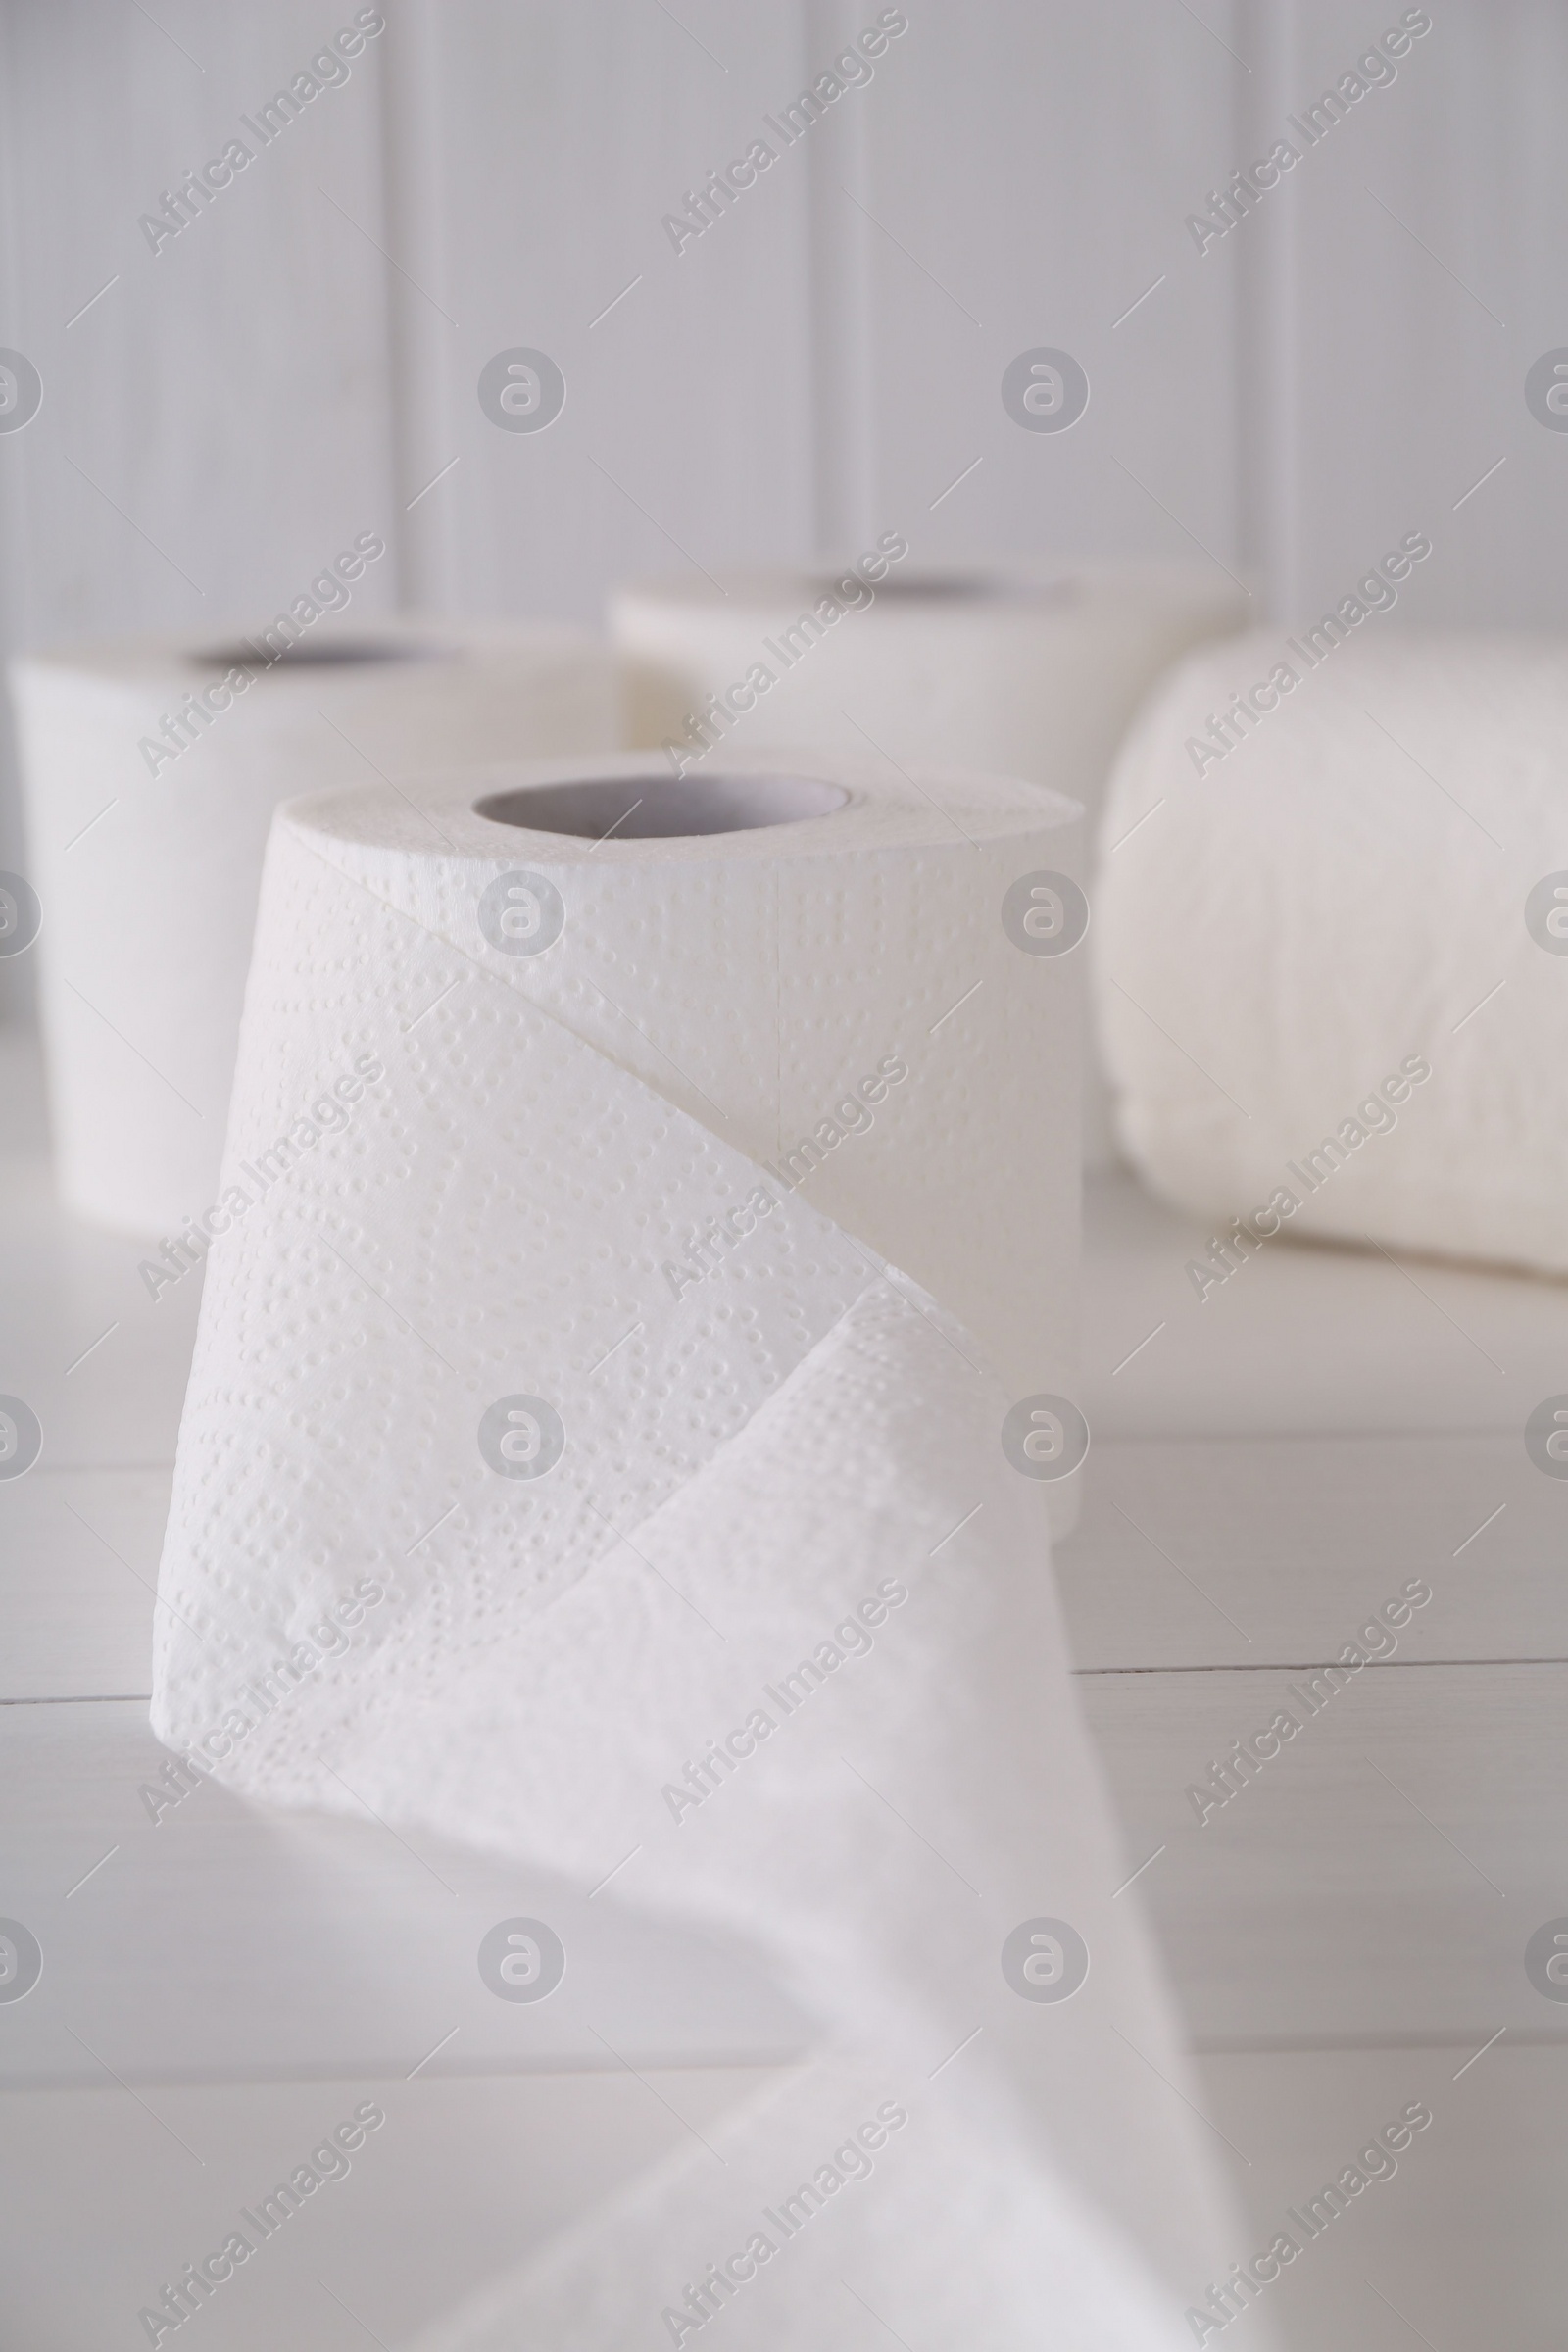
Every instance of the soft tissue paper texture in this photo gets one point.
(1025, 669)
(151, 767)
(1331, 952)
(679, 1459)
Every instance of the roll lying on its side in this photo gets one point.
(1331, 943)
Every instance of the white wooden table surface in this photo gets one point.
(1346, 1936)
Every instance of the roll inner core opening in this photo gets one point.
(662, 808)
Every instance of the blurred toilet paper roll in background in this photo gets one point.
(1331, 967)
(151, 769)
(1026, 670)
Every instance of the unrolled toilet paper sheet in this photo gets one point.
(731, 1563)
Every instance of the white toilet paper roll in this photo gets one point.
(1331, 958)
(567, 1157)
(864, 985)
(1024, 671)
(151, 767)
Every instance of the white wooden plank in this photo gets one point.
(1378, 1878)
(563, 138)
(222, 1942)
(216, 421)
(101, 1363)
(1302, 1338)
(1028, 174)
(1191, 1554)
(1459, 2247)
(1225, 1521)
(79, 1572)
(1272, 1552)
(104, 2204)
(1414, 267)
(105, 2200)
(1375, 1880)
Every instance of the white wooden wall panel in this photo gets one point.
(563, 138)
(811, 368)
(228, 395)
(1038, 162)
(1418, 256)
